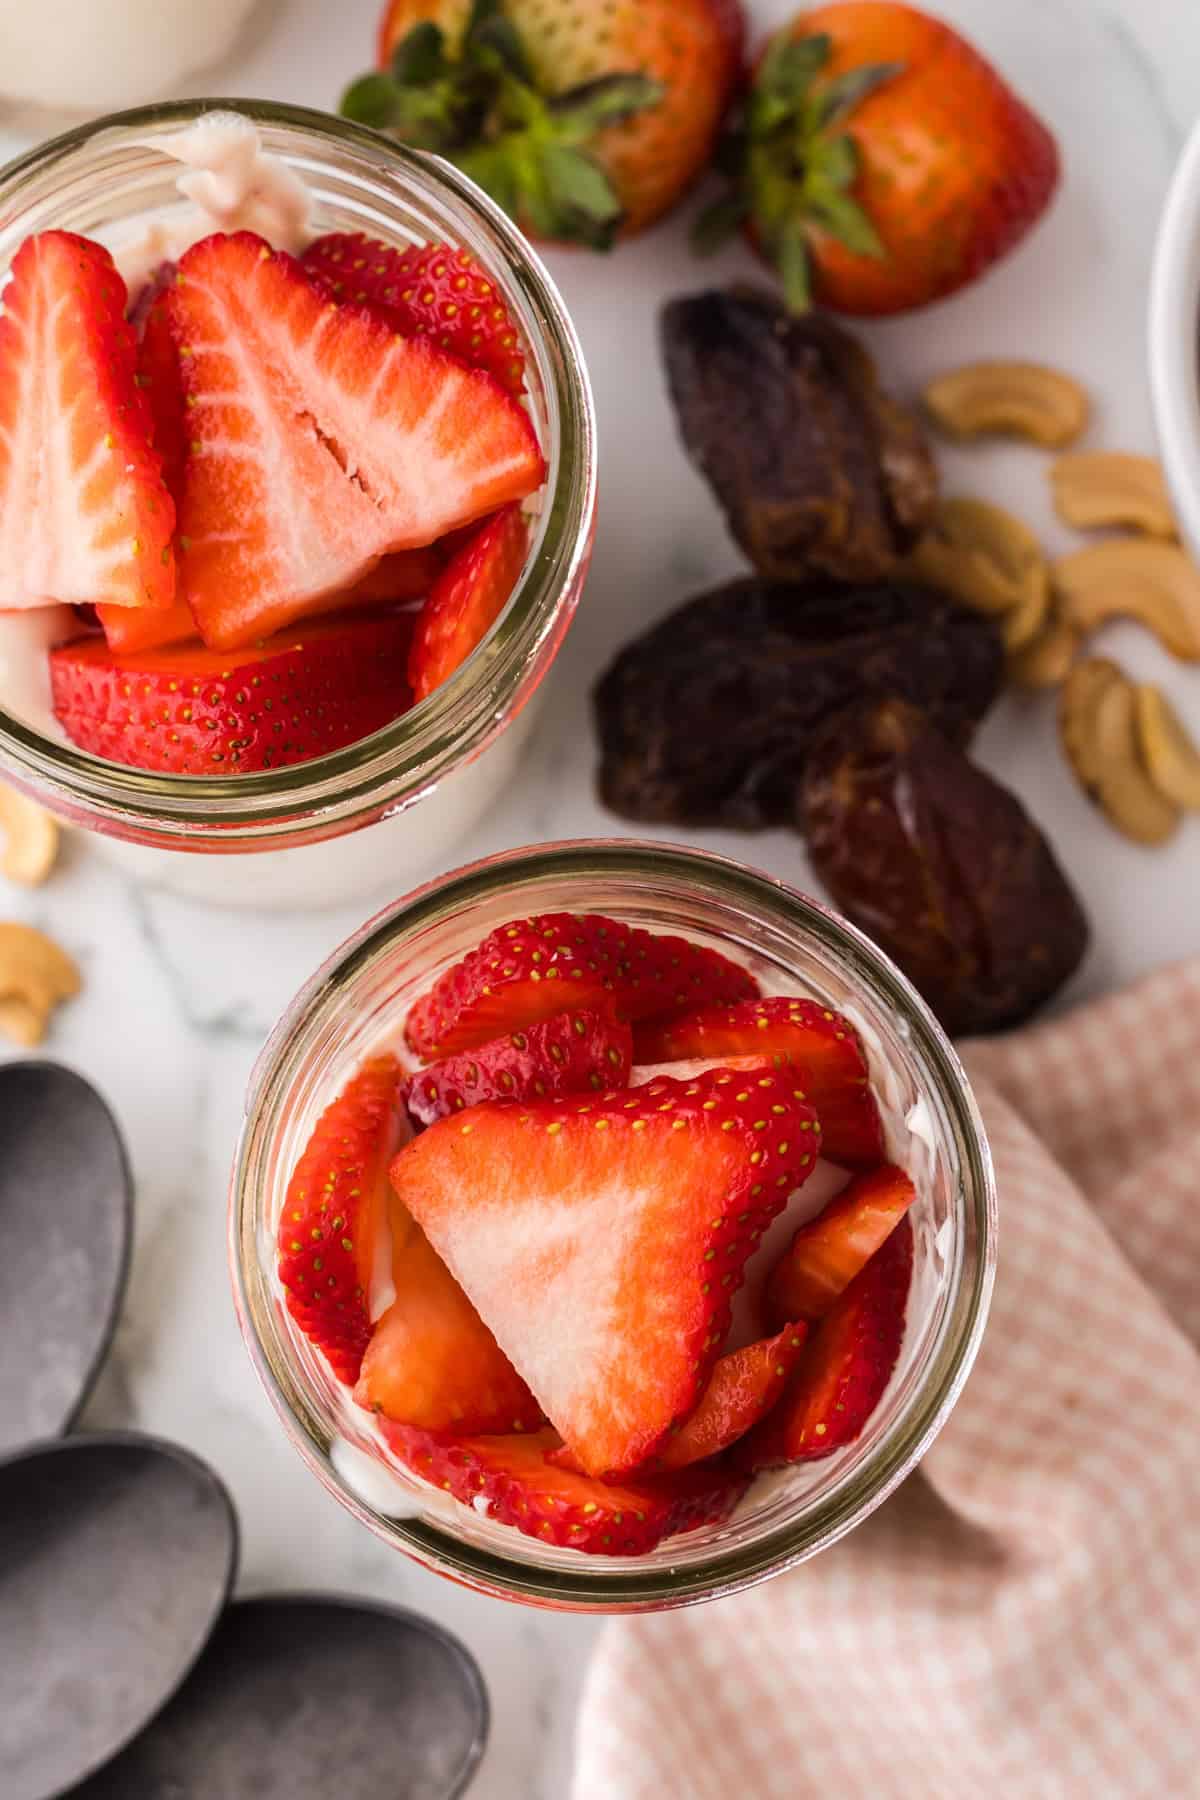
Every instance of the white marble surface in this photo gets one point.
(177, 1000)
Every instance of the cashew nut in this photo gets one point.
(1047, 660)
(1133, 578)
(35, 976)
(1096, 488)
(984, 557)
(1171, 756)
(1099, 735)
(1009, 399)
(30, 838)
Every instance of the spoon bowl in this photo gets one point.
(117, 1555)
(304, 1696)
(66, 1217)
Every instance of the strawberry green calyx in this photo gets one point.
(482, 108)
(791, 163)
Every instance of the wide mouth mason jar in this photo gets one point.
(399, 801)
(356, 1004)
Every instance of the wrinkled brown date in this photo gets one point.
(707, 718)
(817, 469)
(942, 867)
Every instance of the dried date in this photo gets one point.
(707, 718)
(816, 467)
(942, 867)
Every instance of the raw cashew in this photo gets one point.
(1132, 578)
(1171, 755)
(30, 838)
(1097, 488)
(1047, 660)
(986, 558)
(1009, 399)
(1099, 735)
(35, 976)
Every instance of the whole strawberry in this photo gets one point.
(880, 162)
(579, 119)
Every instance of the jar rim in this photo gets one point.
(401, 763)
(677, 868)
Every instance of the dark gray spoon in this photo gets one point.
(117, 1555)
(312, 1697)
(66, 1212)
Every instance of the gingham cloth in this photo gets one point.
(1023, 1617)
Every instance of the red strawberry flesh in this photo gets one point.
(572, 1053)
(185, 710)
(85, 515)
(743, 1386)
(826, 1254)
(431, 1361)
(319, 440)
(424, 290)
(522, 1487)
(820, 1045)
(533, 968)
(601, 1239)
(333, 1212)
(845, 1367)
(467, 598)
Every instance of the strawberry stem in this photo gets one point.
(788, 169)
(483, 110)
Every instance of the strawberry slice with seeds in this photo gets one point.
(601, 1239)
(185, 710)
(826, 1254)
(424, 290)
(819, 1044)
(532, 968)
(522, 1487)
(431, 1361)
(743, 1387)
(319, 440)
(131, 628)
(467, 598)
(845, 1367)
(85, 515)
(333, 1213)
(572, 1053)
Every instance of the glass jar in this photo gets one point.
(357, 1003)
(397, 802)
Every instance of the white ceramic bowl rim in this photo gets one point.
(1174, 339)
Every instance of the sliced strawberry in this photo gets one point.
(821, 1045)
(404, 575)
(688, 1068)
(319, 440)
(846, 1365)
(744, 1385)
(532, 968)
(826, 1254)
(84, 512)
(558, 1506)
(601, 1239)
(131, 628)
(572, 1053)
(333, 1213)
(189, 711)
(424, 290)
(467, 598)
(431, 1361)
(161, 381)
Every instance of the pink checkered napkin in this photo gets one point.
(1023, 1617)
